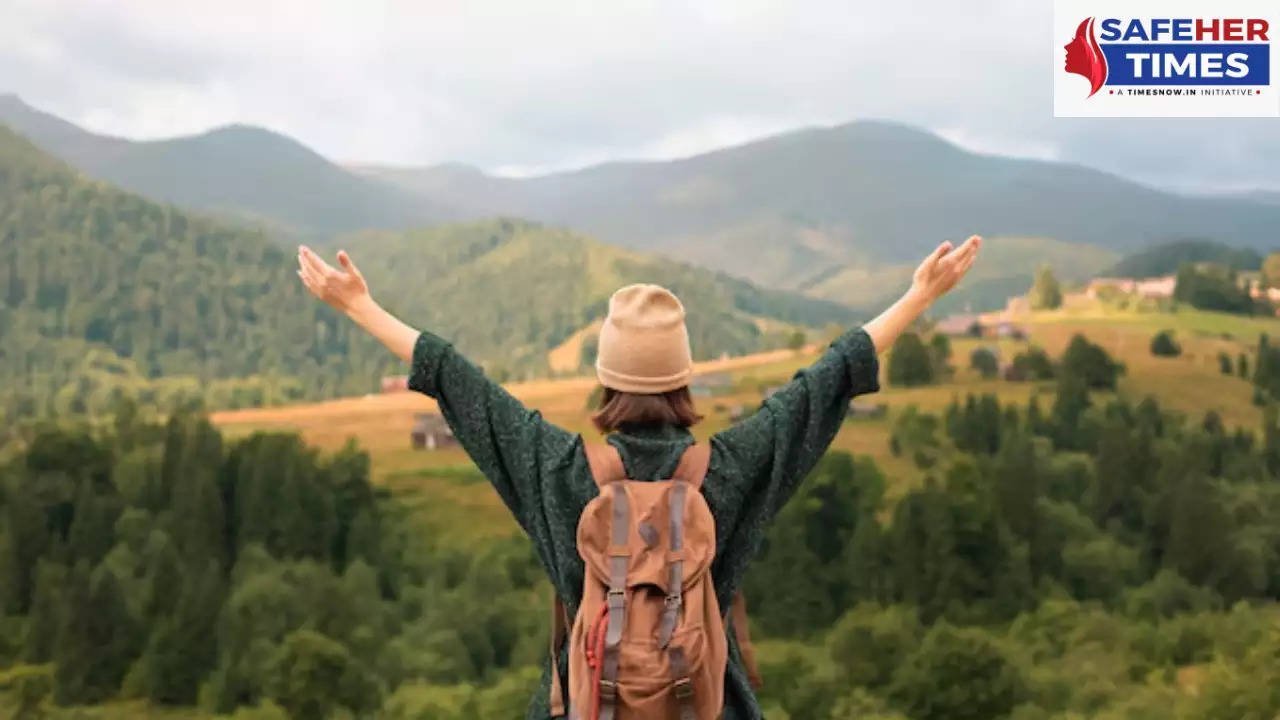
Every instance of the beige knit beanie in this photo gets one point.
(644, 345)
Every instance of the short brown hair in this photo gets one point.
(673, 407)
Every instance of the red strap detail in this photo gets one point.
(595, 657)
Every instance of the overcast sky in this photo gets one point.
(526, 86)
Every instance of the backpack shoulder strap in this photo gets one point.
(693, 464)
(738, 618)
(605, 463)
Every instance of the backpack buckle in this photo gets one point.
(608, 690)
(615, 599)
(684, 688)
(672, 601)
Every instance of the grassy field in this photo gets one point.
(444, 488)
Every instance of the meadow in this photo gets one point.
(448, 492)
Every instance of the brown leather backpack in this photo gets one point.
(648, 642)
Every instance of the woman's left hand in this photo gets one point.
(943, 269)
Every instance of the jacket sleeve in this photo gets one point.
(516, 449)
(764, 457)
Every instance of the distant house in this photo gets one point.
(395, 383)
(1006, 329)
(710, 383)
(960, 325)
(1257, 292)
(865, 410)
(431, 432)
(1098, 286)
(1160, 288)
(1157, 288)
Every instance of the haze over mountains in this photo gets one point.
(838, 213)
(246, 172)
(794, 210)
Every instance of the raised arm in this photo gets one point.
(511, 444)
(347, 292)
(934, 278)
(771, 451)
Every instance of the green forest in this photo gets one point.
(107, 297)
(1077, 556)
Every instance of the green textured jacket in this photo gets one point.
(541, 471)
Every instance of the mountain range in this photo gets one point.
(838, 213)
(105, 294)
(799, 209)
(254, 175)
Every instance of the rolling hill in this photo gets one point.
(514, 290)
(249, 173)
(835, 213)
(797, 209)
(104, 293)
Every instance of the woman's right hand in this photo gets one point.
(944, 267)
(343, 289)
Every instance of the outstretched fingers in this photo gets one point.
(307, 269)
(347, 264)
(967, 254)
(317, 265)
(309, 277)
(939, 253)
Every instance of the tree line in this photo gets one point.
(974, 594)
(167, 563)
(1071, 554)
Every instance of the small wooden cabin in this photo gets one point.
(865, 410)
(431, 432)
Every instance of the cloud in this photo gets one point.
(525, 87)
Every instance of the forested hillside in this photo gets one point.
(1167, 258)
(833, 212)
(508, 290)
(104, 295)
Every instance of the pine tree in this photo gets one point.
(43, 620)
(1045, 292)
(198, 522)
(26, 538)
(98, 638)
(92, 531)
(1018, 485)
(179, 654)
(1068, 410)
(74, 649)
(867, 565)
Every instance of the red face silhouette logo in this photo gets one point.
(1085, 58)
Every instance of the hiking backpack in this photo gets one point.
(648, 641)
